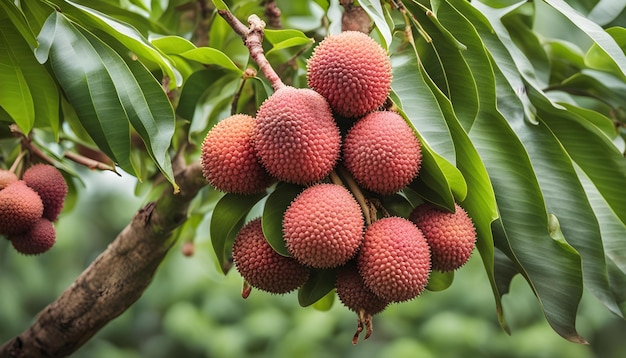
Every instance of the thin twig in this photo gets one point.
(253, 39)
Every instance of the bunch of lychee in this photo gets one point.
(28, 207)
(296, 138)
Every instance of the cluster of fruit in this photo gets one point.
(296, 138)
(28, 207)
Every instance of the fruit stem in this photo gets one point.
(253, 39)
(17, 161)
(356, 191)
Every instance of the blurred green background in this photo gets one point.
(192, 310)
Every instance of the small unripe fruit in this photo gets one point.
(354, 294)
(296, 137)
(451, 236)
(358, 298)
(323, 226)
(20, 208)
(394, 260)
(229, 162)
(38, 239)
(49, 183)
(6, 177)
(261, 266)
(352, 71)
(382, 152)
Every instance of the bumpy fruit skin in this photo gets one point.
(382, 153)
(451, 236)
(20, 208)
(37, 240)
(261, 266)
(323, 226)
(354, 294)
(229, 162)
(352, 71)
(394, 260)
(296, 137)
(49, 183)
(6, 177)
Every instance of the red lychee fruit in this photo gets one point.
(296, 137)
(261, 266)
(451, 236)
(38, 239)
(352, 71)
(382, 153)
(323, 226)
(394, 260)
(6, 177)
(20, 208)
(49, 183)
(358, 298)
(229, 162)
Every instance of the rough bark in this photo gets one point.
(114, 281)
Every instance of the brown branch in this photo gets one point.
(114, 281)
(253, 39)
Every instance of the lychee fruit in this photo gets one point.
(352, 71)
(38, 239)
(382, 153)
(296, 137)
(353, 294)
(323, 226)
(229, 162)
(49, 183)
(20, 208)
(451, 236)
(6, 177)
(394, 259)
(261, 266)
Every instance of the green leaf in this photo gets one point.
(325, 303)
(125, 34)
(596, 155)
(83, 75)
(397, 205)
(173, 45)
(319, 284)
(219, 5)
(606, 11)
(16, 16)
(149, 111)
(598, 58)
(420, 105)
(601, 38)
(613, 233)
(277, 36)
(272, 219)
(440, 281)
(556, 281)
(211, 56)
(228, 217)
(15, 97)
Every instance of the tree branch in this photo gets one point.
(114, 281)
(253, 39)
